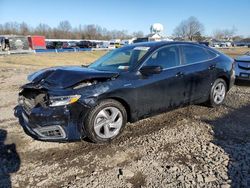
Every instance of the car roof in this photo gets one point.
(157, 44)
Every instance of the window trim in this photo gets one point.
(162, 47)
(179, 46)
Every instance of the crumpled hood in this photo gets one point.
(63, 77)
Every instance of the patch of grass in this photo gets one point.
(51, 59)
(234, 52)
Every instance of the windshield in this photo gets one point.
(120, 59)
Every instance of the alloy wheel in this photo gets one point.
(219, 93)
(108, 122)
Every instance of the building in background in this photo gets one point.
(156, 34)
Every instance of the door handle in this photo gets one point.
(179, 74)
(211, 67)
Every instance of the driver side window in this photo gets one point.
(167, 57)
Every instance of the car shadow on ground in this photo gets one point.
(232, 134)
(242, 83)
(9, 160)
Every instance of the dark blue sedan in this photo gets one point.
(125, 85)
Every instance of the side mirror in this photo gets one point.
(148, 70)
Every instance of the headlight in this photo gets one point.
(64, 100)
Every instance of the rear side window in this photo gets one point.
(195, 54)
(167, 57)
(211, 54)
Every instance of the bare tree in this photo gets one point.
(43, 29)
(2, 29)
(11, 28)
(237, 38)
(24, 29)
(92, 31)
(64, 26)
(181, 30)
(189, 29)
(116, 34)
(65, 30)
(218, 34)
(138, 34)
(225, 34)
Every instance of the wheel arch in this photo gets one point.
(124, 103)
(226, 79)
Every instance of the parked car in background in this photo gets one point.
(86, 44)
(104, 44)
(98, 44)
(204, 43)
(94, 44)
(242, 67)
(65, 45)
(111, 45)
(125, 85)
(50, 45)
(83, 44)
(118, 45)
(107, 44)
(54, 45)
(216, 45)
(69, 45)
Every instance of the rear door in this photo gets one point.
(199, 67)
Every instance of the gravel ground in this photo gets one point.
(194, 146)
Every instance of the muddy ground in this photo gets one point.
(194, 146)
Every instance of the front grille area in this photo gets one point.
(245, 68)
(51, 132)
(30, 98)
(27, 104)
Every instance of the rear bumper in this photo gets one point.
(240, 78)
(57, 124)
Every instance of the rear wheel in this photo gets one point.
(217, 93)
(105, 121)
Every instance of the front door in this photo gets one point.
(158, 92)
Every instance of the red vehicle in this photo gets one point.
(37, 42)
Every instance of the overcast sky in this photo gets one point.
(131, 15)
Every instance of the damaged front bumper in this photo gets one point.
(52, 114)
(50, 124)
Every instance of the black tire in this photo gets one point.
(90, 120)
(211, 101)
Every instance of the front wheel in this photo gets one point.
(217, 93)
(105, 121)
